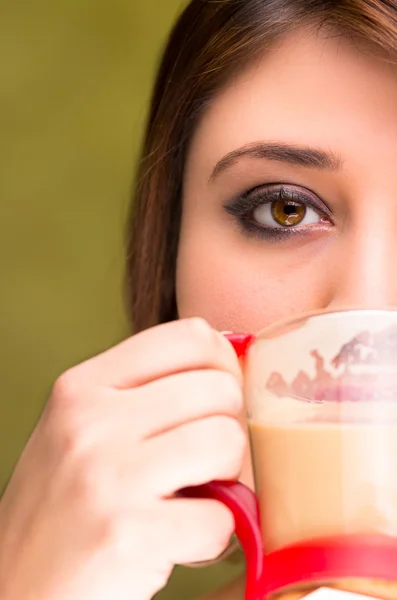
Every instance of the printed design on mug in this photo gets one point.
(365, 368)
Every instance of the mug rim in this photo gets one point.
(290, 323)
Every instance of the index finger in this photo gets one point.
(188, 344)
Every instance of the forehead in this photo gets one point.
(311, 88)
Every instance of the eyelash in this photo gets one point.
(243, 207)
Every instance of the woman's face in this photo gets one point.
(290, 190)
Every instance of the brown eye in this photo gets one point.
(282, 210)
(288, 214)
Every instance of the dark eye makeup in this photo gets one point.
(243, 207)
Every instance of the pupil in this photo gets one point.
(289, 210)
(287, 214)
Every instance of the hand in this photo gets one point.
(91, 512)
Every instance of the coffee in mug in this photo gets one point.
(321, 397)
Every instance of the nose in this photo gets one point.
(363, 271)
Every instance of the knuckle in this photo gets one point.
(65, 388)
(240, 437)
(127, 533)
(225, 386)
(67, 428)
(197, 328)
(68, 417)
(70, 395)
(226, 429)
(229, 443)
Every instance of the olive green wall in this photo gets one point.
(74, 83)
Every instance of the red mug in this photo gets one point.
(308, 564)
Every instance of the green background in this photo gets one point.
(75, 80)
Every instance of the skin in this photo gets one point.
(92, 511)
(309, 92)
(313, 92)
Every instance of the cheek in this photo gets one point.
(243, 287)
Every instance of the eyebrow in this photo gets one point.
(293, 155)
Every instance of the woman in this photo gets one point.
(268, 186)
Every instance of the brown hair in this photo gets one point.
(210, 42)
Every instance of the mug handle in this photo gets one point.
(243, 504)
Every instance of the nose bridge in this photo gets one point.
(366, 272)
